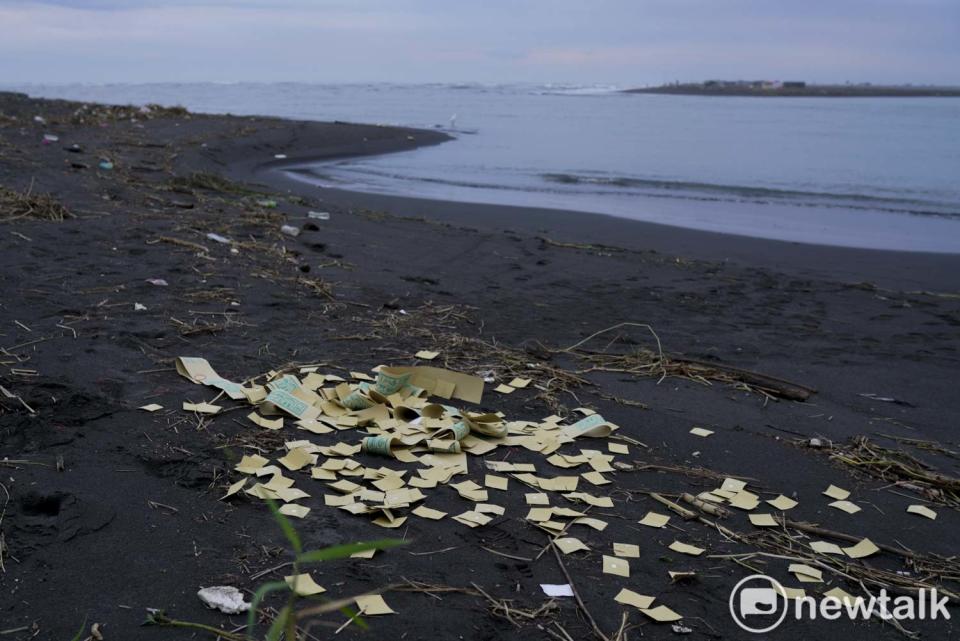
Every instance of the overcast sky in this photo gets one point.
(578, 41)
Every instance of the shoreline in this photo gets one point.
(798, 223)
(163, 256)
(894, 269)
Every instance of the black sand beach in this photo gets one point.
(108, 510)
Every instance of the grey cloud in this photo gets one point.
(622, 41)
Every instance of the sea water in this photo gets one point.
(878, 173)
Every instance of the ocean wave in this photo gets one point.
(713, 191)
(575, 90)
(361, 176)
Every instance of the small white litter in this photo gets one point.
(290, 230)
(562, 589)
(225, 598)
(218, 238)
(319, 215)
(488, 375)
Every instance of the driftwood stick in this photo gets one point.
(705, 506)
(809, 528)
(682, 511)
(573, 588)
(771, 384)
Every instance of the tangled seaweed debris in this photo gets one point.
(791, 541)
(90, 113)
(898, 467)
(203, 326)
(206, 181)
(925, 571)
(15, 205)
(439, 326)
(647, 362)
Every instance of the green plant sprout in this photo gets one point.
(286, 623)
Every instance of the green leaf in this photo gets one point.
(279, 624)
(258, 596)
(341, 551)
(355, 617)
(288, 530)
(79, 634)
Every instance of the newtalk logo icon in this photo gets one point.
(758, 604)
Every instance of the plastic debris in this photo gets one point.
(225, 598)
(318, 215)
(488, 375)
(49, 138)
(290, 230)
(562, 589)
(887, 399)
(217, 238)
(159, 282)
(106, 165)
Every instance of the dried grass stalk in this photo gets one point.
(15, 205)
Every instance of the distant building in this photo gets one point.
(753, 84)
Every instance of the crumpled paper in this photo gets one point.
(225, 598)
